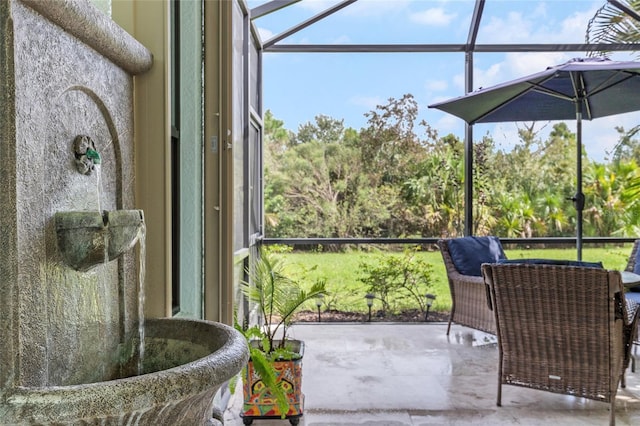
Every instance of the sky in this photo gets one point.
(300, 86)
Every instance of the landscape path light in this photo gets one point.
(370, 297)
(430, 298)
(319, 301)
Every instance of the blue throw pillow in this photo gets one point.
(553, 262)
(468, 253)
(636, 266)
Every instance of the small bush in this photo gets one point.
(399, 281)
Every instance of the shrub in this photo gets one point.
(398, 280)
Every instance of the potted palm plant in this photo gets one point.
(272, 380)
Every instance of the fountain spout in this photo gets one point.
(125, 229)
(87, 239)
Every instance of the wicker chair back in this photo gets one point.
(469, 302)
(561, 329)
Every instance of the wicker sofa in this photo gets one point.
(462, 259)
(561, 329)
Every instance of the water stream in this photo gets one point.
(99, 185)
(142, 248)
(141, 293)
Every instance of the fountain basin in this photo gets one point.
(185, 363)
(87, 239)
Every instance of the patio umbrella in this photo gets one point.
(582, 88)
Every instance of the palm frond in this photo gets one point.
(611, 25)
(278, 296)
(267, 373)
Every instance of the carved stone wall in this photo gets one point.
(65, 70)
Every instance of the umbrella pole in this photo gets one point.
(579, 198)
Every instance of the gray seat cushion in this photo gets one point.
(553, 262)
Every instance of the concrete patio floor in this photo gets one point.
(413, 374)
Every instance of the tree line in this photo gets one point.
(398, 178)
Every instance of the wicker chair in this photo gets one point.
(468, 295)
(631, 263)
(634, 294)
(561, 329)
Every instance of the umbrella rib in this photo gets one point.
(538, 87)
(551, 92)
(532, 87)
(579, 93)
(605, 85)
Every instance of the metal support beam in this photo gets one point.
(468, 151)
(448, 48)
(475, 24)
(468, 129)
(626, 9)
(270, 7)
(308, 22)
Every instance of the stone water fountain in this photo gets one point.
(71, 240)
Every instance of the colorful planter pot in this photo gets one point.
(259, 402)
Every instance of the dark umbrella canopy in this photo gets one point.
(581, 88)
(601, 87)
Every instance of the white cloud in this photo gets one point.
(599, 136)
(489, 77)
(369, 102)
(572, 29)
(540, 11)
(514, 65)
(514, 29)
(371, 8)
(436, 85)
(361, 8)
(449, 124)
(458, 81)
(537, 27)
(435, 17)
(521, 64)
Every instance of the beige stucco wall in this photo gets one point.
(148, 22)
(207, 264)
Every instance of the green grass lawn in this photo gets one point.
(342, 270)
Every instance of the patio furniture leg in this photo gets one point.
(612, 413)
(499, 398)
(449, 325)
